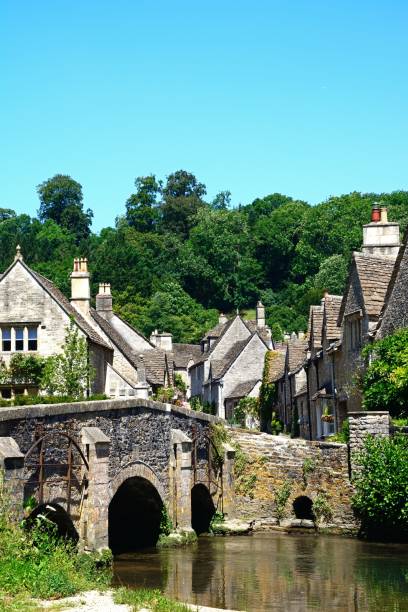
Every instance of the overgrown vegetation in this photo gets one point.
(174, 257)
(268, 395)
(381, 498)
(308, 467)
(149, 599)
(36, 563)
(282, 495)
(321, 507)
(247, 407)
(385, 382)
(343, 435)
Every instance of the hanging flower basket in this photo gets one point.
(328, 418)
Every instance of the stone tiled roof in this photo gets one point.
(374, 274)
(216, 331)
(277, 363)
(66, 305)
(397, 291)
(296, 354)
(262, 332)
(220, 366)
(332, 304)
(182, 354)
(242, 389)
(154, 360)
(315, 327)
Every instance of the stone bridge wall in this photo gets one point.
(121, 439)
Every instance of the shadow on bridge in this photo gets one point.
(202, 508)
(134, 516)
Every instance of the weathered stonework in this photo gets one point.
(119, 439)
(363, 424)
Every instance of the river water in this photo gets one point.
(272, 571)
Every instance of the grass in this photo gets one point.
(154, 600)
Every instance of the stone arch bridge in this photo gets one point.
(104, 470)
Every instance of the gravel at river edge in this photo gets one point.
(93, 601)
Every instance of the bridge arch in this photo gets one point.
(135, 509)
(202, 508)
(57, 515)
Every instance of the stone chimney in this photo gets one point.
(162, 341)
(104, 300)
(381, 238)
(222, 319)
(260, 315)
(80, 286)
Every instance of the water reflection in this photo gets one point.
(270, 571)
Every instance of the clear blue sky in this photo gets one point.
(308, 98)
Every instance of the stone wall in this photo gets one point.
(312, 468)
(362, 424)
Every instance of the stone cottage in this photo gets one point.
(231, 362)
(394, 314)
(34, 319)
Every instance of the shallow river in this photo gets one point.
(271, 571)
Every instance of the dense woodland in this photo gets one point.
(174, 259)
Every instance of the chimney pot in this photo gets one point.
(375, 213)
(384, 214)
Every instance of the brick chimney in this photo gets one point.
(80, 286)
(380, 237)
(104, 300)
(260, 315)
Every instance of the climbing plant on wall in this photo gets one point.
(267, 393)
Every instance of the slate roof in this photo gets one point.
(374, 274)
(242, 389)
(332, 304)
(277, 363)
(154, 360)
(182, 354)
(66, 305)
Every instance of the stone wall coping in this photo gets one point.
(93, 435)
(368, 413)
(9, 449)
(48, 410)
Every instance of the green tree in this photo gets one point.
(182, 199)
(69, 373)
(142, 211)
(385, 382)
(332, 275)
(61, 200)
(222, 201)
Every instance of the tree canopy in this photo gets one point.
(174, 258)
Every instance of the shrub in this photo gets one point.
(308, 467)
(247, 406)
(381, 498)
(282, 495)
(343, 435)
(321, 507)
(385, 382)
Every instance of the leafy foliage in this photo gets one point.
(385, 382)
(381, 498)
(70, 372)
(321, 507)
(23, 368)
(282, 495)
(247, 406)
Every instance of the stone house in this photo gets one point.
(291, 385)
(324, 333)
(34, 318)
(394, 313)
(231, 362)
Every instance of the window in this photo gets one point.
(6, 393)
(19, 339)
(32, 339)
(6, 344)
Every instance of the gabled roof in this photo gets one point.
(216, 331)
(262, 331)
(374, 275)
(62, 301)
(296, 354)
(220, 366)
(397, 284)
(154, 360)
(315, 327)
(332, 304)
(277, 361)
(182, 354)
(242, 389)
